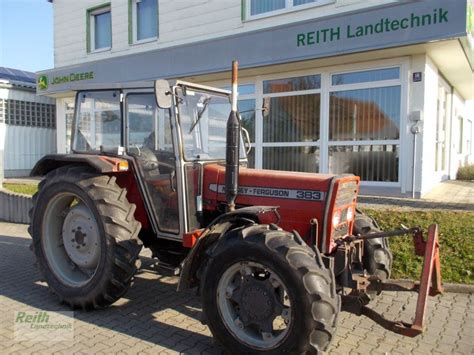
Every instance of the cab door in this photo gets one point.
(149, 142)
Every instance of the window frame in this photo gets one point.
(90, 27)
(370, 85)
(133, 21)
(289, 7)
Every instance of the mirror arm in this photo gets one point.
(247, 138)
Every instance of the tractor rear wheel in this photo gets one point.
(263, 292)
(84, 237)
(377, 257)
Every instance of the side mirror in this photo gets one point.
(163, 94)
(266, 106)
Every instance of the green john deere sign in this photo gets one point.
(72, 77)
(43, 79)
(43, 82)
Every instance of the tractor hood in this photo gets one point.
(301, 197)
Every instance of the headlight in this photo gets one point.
(350, 214)
(336, 218)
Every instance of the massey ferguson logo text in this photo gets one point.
(290, 194)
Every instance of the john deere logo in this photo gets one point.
(43, 82)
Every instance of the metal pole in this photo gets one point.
(414, 166)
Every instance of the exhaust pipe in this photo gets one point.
(232, 146)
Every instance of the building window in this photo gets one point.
(99, 28)
(469, 138)
(441, 127)
(2, 110)
(263, 8)
(143, 25)
(247, 110)
(364, 124)
(461, 134)
(291, 126)
(28, 113)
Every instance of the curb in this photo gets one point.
(14, 207)
(447, 287)
(458, 288)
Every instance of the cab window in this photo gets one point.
(98, 124)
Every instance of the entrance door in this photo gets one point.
(150, 143)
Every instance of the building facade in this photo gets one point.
(27, 123)
(378, 88)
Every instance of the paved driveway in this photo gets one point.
(153, 318)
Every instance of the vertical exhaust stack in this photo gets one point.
(232, 147)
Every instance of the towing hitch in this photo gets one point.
(429, 284)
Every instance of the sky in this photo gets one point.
(26, 34)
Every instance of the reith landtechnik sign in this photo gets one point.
(384, 25)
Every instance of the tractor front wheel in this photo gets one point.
(84, 237)
(263, 292)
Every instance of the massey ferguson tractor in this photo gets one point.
(275, 255)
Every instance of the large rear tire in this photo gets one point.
(85, 237)
(263, 292)
(377, 257)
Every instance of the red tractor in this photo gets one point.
(275, 255)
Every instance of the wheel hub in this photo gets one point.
(80, 236)
(251, 300)
(257, 301)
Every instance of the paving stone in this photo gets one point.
(153, 318)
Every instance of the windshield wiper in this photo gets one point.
(205, 103)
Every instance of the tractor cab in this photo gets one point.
(168, 133)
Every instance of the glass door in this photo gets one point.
(150, 143)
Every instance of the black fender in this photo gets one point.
(211, 237)
(101, 163)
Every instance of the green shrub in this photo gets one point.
(465, 173)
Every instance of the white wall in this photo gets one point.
(180, 21)
(430, 78)
(24, 146)
(425, 96)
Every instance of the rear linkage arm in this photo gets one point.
(429, 284)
